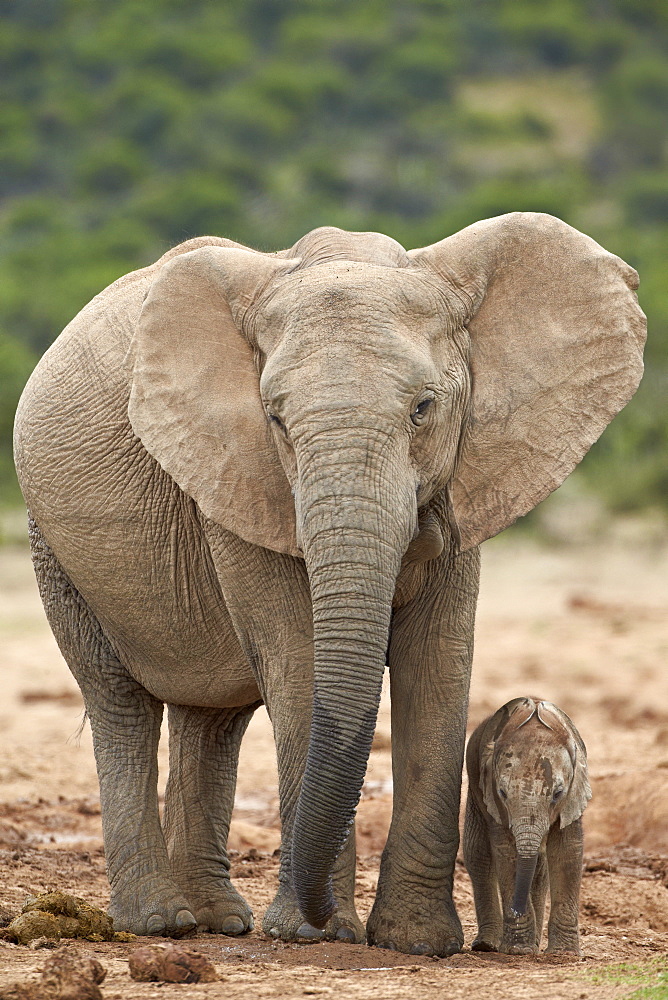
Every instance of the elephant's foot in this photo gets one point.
(563, 932)
(283, 920)
(411, 930)
(519, 940)
(482, 943)
(155, 908)
(570, 946)
(219, 909)
(518, 946)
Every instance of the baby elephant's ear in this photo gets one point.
(579, 793)
(487, 783)
(491, 731)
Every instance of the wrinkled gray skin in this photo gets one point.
(260, 478)
(528, 788)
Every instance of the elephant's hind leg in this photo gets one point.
(125, 720)
(203, 755)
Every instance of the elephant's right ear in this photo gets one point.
(487, 782)
(493, 728)
(195, 399)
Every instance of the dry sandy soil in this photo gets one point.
(584, 627)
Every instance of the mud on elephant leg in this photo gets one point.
(125, 720)
(203, 755)
(564, 859)
(538, 894)
(519, 933)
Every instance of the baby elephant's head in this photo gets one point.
(534, 773)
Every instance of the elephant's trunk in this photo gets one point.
(524, 873)
(356, 523)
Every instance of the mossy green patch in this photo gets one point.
(646, 980)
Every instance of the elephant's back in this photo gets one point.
(73, 409)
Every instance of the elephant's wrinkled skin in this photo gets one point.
(258, 477)
(528, 788)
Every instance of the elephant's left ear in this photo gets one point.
(195, 398)
(579, 794)
(580, 791)
(556, 351)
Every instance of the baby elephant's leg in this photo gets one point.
(538, 894)
(480, 866)
(519, 933)
(564, 859)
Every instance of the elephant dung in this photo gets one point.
(36, 924)
(67, 975)
(58, 914)
(170, 963)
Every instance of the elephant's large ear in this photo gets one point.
(579, 794)
(556, 351)
(195, 400)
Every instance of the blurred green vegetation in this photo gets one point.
(128, 127)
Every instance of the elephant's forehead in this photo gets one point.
(541, 759)
(356, 293)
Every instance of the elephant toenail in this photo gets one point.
(274, 932)
(233, 926)
(251, 923)
(451, 948)
(388, 946)
(422, 948)
(345, 934)
(155, 924)
(309, 933)
(185, 920)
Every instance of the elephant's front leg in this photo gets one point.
(430, 662)
(283, 918)
(269, 601)
(519, 933)
(482, 872)
(564, 862)
(203, 754)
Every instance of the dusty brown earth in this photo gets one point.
(586, 627)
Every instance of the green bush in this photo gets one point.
(127, 127)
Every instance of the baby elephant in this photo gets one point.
(528, 788)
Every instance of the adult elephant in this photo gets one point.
(260, 477)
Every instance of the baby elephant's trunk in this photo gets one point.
(524, 873)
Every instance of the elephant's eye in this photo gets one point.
(279, 423)
(502, 794)
(556, 795)
(420, 411)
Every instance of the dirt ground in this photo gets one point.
(584, 627)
